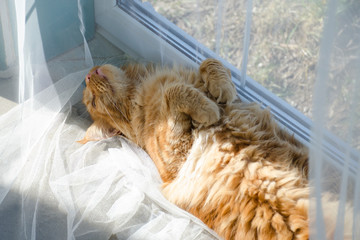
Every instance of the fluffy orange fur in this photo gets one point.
(224, 161)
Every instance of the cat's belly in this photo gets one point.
(198, 175)
(237, 195)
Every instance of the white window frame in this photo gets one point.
(128, 23)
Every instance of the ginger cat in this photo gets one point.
(224, 161)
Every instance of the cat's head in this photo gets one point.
(105, 86)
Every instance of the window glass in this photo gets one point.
(284, 41)
(284, 46)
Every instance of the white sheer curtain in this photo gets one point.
(53, 188)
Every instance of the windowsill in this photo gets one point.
(6, 105)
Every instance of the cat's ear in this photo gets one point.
(99, 131)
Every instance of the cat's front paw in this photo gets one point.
(218, 81)
(206, 114)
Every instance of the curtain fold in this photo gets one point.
(51, 187)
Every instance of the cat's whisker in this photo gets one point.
(115, 105)
(112, 118)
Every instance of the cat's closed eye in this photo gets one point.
(93, 102)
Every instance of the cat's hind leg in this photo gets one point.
(217, 80)
(185, 99)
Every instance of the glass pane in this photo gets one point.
(284, 43)
(284, 48)
(216, 24)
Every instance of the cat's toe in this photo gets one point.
(223, 92)
(83, 141)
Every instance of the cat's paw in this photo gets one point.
(98, 131)
(206, 114)
(218, 81)
(222, 91)
(84, 140)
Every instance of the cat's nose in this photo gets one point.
(99, 72)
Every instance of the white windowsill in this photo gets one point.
(6, 105)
